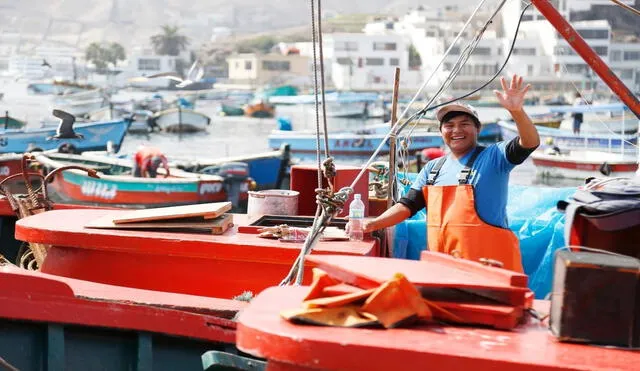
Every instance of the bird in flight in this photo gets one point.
(65, 129)
(194, 75)
(45, 63)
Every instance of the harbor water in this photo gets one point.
(235, 136)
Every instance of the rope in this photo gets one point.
(626, 7)
(474, 42)
(324, 106)
(315, 91)
(433, 73)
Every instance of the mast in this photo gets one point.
(588, 55)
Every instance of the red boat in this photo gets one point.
(56, 323)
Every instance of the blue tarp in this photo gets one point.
(533, 217)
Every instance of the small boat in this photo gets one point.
(602, 118)
(178, 120)
(231, 110)
(351, 143)
(259, 110)
(566, 140)
(141, 120)
(8, 122)
(584, 164)
(267, 169)
(95, 136)
(117, 185)
(549, 120)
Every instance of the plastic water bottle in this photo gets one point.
(356, 216)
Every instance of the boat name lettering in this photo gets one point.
(5, 171)
(4, 141)
(353, 143)
(210, 188)
(101, 190)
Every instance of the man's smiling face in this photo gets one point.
(460, 133)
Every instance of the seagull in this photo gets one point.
(194, 75)
(45, 63)
(65, 129)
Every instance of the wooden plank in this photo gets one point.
(208, 211)
(510, 277)
(218, 225)
(368, 272)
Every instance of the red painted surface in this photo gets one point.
(34, 296)
(589, 166)
(304, 179)
(262, 332)
(10, 165)
(192, 263)
(368, 272)
(501, 275)
(588, 55)
(74, 192)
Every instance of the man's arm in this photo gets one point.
(512, 99)
(396, 214)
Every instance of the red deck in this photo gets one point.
(199, 264)
(261, 332)
(35, 296)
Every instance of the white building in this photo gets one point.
(64, 62)
(365, 61)
(144, 62)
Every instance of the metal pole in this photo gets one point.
(588, 54)
(392, 141)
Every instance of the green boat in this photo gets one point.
(8, 122)
(229, 110)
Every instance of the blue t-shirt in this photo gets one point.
(489, 177)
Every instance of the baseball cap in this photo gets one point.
(457, 107)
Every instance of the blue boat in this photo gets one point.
(360, 143)
(96, 136)
(267, 169)
(566, 140)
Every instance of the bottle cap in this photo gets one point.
(356, 196)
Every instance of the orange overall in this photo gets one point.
(454, 226)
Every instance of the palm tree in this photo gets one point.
(169, 42)
(115, 53)
(95, 54)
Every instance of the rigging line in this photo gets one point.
(424, 84)
(590, 105)
(324, 106)
(315, 91)
(513, 43)
(464, 57)
(626, 7)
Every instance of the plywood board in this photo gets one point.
(205, 211)
(218, 225)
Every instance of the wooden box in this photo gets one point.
(596, 298)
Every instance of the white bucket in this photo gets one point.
(272, 202)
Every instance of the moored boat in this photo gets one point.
(566, 140)
(584, 164)
(56, 323)
(117, 186)
(179, 120)
(93, 136)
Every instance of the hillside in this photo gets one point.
(131, 22)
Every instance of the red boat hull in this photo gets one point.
(221, 266)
